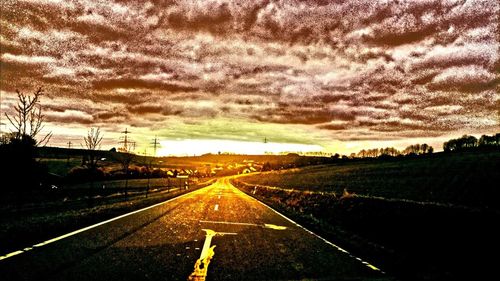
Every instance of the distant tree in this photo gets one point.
(361, 153)
(449, 146)
(464, 143)
(93, 143)
(430, 150)
(372, 152)
(423, 148)
(415, 149)
(469, 141)
(489, 141)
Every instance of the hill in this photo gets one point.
(464, 178)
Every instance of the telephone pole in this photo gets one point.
(69, 147)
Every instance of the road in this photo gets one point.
(253, 242)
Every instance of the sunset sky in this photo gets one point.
(336, 76)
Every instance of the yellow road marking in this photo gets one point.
(207, 253)
(272, 226)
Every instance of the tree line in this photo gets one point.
(414, 149)
(470, 142)
(463, 143)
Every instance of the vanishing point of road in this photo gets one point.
(253, 242)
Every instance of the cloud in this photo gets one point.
(69, 116)
(23, 59)
(348, 70)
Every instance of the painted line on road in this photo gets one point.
(15, 253)
(216, 208)
(265, 225)
(318, 236)
(228, 222)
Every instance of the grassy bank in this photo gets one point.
(468, 178)
(408, 237)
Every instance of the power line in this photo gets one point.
(127, 143)
(155, 144)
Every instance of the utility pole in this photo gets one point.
(155, 144)
(69, 147)
(128, 147)
(125, 141)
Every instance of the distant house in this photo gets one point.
(248, 170)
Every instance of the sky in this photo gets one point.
(335, 76)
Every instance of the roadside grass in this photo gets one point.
(60, 167)
(383, 218)
(469, 178)
(132, 184)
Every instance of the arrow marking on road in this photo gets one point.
(265, 225)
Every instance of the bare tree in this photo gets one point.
(28, 118)
(93, 143)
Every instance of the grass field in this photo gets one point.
(132, 184)
(468, 178)
(393, 220)
(57, 161)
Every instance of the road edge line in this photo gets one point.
(41, 244)
(369, 265)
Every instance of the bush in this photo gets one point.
(19, 166)
(84, 174)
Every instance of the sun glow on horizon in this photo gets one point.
(190, 147)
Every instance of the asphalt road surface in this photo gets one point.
(253, 242)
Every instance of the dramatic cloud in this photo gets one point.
(324, 71)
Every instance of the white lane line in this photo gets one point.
(216, 208)
(15, 253)
(310, 232)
